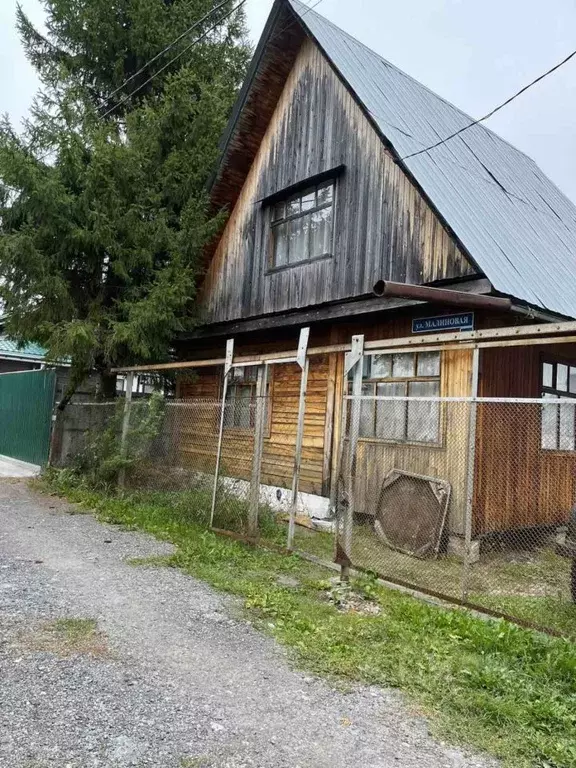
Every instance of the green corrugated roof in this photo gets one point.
(10, 348)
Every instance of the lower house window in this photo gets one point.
(240, 405)
(558, 432)
(411, 374)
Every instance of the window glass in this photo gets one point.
(320, 232)
(381, 366)
(302, 226)
(324, 194)
(549, 424)
(428, 364)
(572, 380)
(281, 245)
(566, 427)
(423, 423)
(297, 240)
(403, 365)
(367, 413)
(391, 414)
(558, 422)
(308, 200)
(293, 207)
(548, 375)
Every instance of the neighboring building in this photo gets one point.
(327, 196)
(12, 358)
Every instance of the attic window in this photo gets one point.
(302, 225)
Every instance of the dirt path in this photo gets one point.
(172, 677)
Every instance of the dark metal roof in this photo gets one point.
(517, 226)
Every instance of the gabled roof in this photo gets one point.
(516, 225)
(512, 221)
(9, 349)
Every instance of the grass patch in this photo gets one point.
(488, 684)
(65, 637)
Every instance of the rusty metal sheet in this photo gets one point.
(411, 512)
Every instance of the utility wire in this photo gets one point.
(165, 50)
(496, 109)
(175, 58)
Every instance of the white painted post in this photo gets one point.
(471, 459)
(125, 425)
(259, 424)
(304, 364)
(227, 369)
(354, 361)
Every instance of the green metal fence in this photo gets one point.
(26, 402)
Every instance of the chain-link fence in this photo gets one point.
(464, 498)
(468, 499)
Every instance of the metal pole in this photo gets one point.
(304, 364)
(227, 368)
(125, 425)
(298, 454)
(472, 418)
(354, 362)
(260, 421)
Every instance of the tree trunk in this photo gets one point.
(107, 388)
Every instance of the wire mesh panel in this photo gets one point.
(403, 494)
(473, 502)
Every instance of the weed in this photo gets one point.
(65, 637)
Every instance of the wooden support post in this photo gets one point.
(470, 462)
(355, 363)
(259, 428)
(125, 425)
(304, 364)
(227, 368)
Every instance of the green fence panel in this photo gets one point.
(26, 402)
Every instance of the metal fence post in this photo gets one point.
(259, 424)
(227, 369)
(125, 426)
(470, 462)
(304, 364)
(354, 362)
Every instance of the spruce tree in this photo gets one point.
(104, 209)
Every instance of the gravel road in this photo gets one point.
(175, 679)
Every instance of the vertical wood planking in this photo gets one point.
(383, 227)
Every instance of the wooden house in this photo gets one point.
(330, 187)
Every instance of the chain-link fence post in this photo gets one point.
(304, 367)
(470, 467)
(259, 426)
(354, 362)
(125, 426)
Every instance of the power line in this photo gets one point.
(165, 50)
(175, 58)
(496, 109)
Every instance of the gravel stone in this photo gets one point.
(185, 681)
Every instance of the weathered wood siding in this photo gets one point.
(517, 483)
(448, 461)
(199, 431)
(383, 226)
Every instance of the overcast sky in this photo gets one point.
(475, 53)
